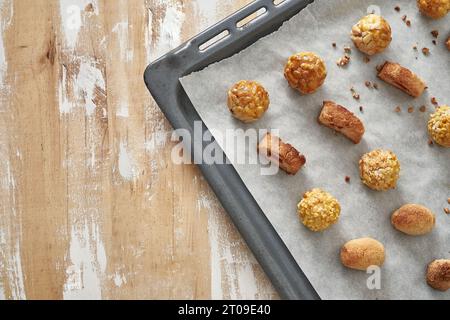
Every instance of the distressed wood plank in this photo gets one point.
(91, 204)
(35, 206)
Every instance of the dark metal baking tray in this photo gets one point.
(162, 79)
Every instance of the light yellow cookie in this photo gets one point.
(379, 170)
(439, 126)
(318, 210)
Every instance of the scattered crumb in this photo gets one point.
(334, 44)
(89, 8)
(367, 59)
(434, 101)
(355, 95)
(410, 109)
(397, 8)
(426, 51)
(347, 49)
(415, 47)
(435, 33)
(408, 23)
(368, 84)
(447, 210)
(347, 179)
(434, 42)
(375, 86)
(448, 43)
(361, 108)
(404, 17)
(430, 142)
(448, 200)
(345, 60)
(423, 109)
(398, 109)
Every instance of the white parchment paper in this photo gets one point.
(425, 175)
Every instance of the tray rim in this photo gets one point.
(162, 80)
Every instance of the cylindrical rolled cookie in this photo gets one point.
(340, 119)
(402, 78)
(362, 253)
(413, 219)
(282, 154)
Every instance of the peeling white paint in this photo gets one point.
(6, 10)
(92, 160)
(246, 281)
(65, 106)
(149, 35)
(2, 55)
(87, 262)
(121, 31)
(170, 32)
(10, 224)
(2, 241)
(157, 141)
(89, 79)
(2, 292)
(214, 241)
(16, 277)
(10, 253)
(119, 279)
(72, 19)
(126, 164)
(123, 110)
(88, 82)
(237, 270)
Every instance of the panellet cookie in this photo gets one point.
(306, 72)
(435, 9)
(282, 154)
(318, 210)
(413, 219)
(402, 78)
(372, 34)
(360, 254)
(439, 126)
(438, 274)
(248, 101)
(342, 120)
(379, 170)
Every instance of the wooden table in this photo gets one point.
(91, 204)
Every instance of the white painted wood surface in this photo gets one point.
(90, 204)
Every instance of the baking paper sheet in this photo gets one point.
(425, 175)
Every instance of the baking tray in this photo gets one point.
(162, 79)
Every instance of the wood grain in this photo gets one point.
(91, 205)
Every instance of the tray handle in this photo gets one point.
(227, 30)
